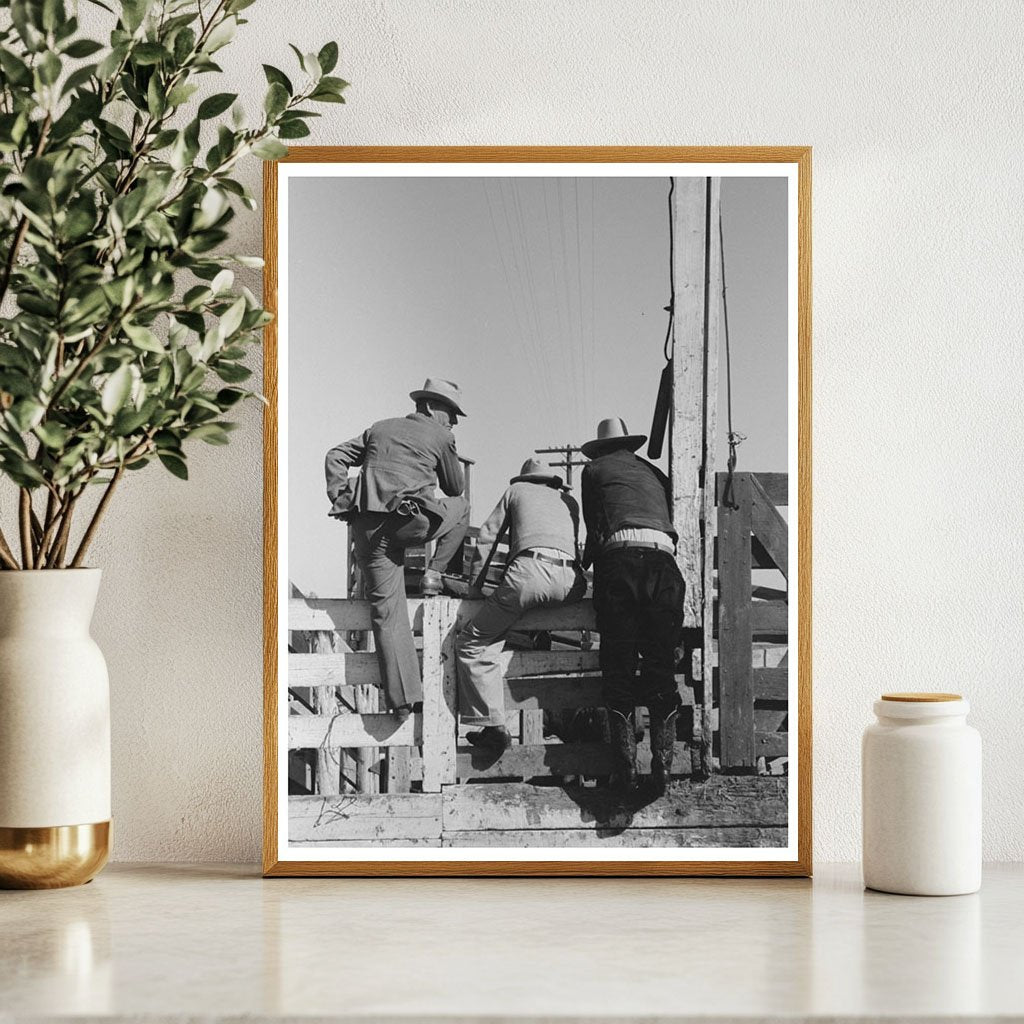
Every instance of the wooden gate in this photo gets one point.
(430, 788)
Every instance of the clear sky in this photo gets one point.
(542, 297)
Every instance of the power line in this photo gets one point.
(567, 462)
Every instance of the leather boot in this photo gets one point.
(663, 739)
(622, 733)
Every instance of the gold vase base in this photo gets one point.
(53, 857)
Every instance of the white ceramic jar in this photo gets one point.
(54, 730)
(921, 778)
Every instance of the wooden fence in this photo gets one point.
(359, 777)
(752, 622)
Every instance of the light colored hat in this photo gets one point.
(535, 472)
(612, 433)
(443, 390)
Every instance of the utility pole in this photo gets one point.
(697, 273)
(566, 462)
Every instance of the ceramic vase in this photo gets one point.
(54, 731)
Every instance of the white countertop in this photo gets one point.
(173, 942)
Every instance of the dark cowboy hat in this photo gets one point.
(612, 433)
(442, 390)
(535, 472)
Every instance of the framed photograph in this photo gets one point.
(538, 511)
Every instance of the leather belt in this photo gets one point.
(612, 545)
(540, 557)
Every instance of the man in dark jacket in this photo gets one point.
(392, 505)
(638, 594)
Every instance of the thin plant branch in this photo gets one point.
(97, 516)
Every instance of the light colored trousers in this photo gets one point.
(527, 583)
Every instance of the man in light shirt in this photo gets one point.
(541, 520)
(638, 595)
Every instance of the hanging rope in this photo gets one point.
(735, 439)
(669, 345)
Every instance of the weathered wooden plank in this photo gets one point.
(380, 844)
(535, 761)
(722, 800)
(553, 693)
(338, 613)
(708, 838)
(439, 692)
(775, 485)
(366, 757)
(769, 527)
(448, 717)
(772, 744)
(329, 732)
(567, 617)
(769, 618)
(328, 762)
(771, 683)
(759, 558)
(361, 816)
(545, 663)
(735, 630)
(356, 669)
(398, 765)
(769, 720)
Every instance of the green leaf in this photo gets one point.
(184, 44)
(116, 390)
(269, 149)
(334, 84)
(83, 48)
(293, 130)
(211, 433)
(328, 57)
(16, 70)
(222, 282)
(276, 99)
(133, 13)
(143, 338)
(175, 464)
(221, 35)
(232, 319)
(26, 413)
(232, 373)
(216, 104)
(274, 75)
(49, 68)
(78, 78)
(156, 100)
(181, 93)
(53, 435)
(149, 53)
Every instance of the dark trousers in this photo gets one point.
(380, 540)
(638, 599)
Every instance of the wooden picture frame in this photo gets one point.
(751, 510)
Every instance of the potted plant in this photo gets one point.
(122, 342)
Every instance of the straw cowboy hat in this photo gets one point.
(612, 433)
(535, 472)
(443, 390)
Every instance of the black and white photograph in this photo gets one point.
(536, 488)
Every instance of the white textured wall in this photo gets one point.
(914, 113)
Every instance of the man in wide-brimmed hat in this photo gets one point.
(541, 520)
(392, 505)
(638, 594)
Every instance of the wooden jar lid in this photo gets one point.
(921, 698)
